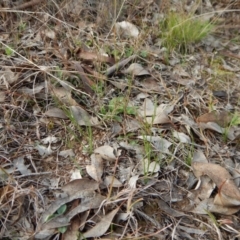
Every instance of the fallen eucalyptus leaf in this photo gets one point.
(79, 185)
(86, 204)
(209, 205)
(229, 194)
(101, 227)
(112, 181)
(82, 117)
(182, 137)
(106, 152)
(158, 142)
(136, 70)
(55, 112)
(222, 118)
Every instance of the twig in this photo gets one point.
(28, 4)
(119, 65)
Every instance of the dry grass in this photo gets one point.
(42, 47)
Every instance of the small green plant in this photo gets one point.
(189, 156)
(22, 26)
(9, 52)
(99, 89)
(144, 54)
(85, 131)
(180, 30)
(235, 121)
(116, 107)
(59, 212)
(129, 51)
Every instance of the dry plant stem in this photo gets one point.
(87, 83)
(116, 17)
(152, 235)
(144, 215)
(229, 54)
(114, 171)
(33, 174)
(43, 69)
(119, 65)
(29, 4)
(174, 229)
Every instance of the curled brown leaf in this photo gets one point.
(222, 118)
(229, 194)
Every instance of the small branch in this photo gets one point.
(28, 4)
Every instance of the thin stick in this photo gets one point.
(27, 4)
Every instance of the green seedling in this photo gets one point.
(129, 51)
(85, 131)
(59, 212)
(22, 26)
(144, 54)
(235, 121)
(118, 106)
(9, 51)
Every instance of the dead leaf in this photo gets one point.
(75, 174)
(80, 185)
(222, 118)
(87, 82)
(61, 201)
(182, 137)
(155, 114)
(45, 230)
(179, 71)
(95, 74)
(119, 65)
(20, 166)
(106, 152)
(88, 203)
(126, 29)
(49, 140)
(132, 183)
(72, 232)
(7, 77)
(55, 112)
(158, 142)
(101, 227)
(44, 151)
(112, 181)
(212, 126)
(94, 172)
(172, 212)
(48, 33)
(2, 96)
(229, 194)
(63, 96)
(151, 85)
(136, 69)
(209, 205)
(32, 91)
(199, 156)
(82, 117)
(92, 56)
(150, 167)
(67, 153)
(153, 167)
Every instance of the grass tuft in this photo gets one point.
(178, 31)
